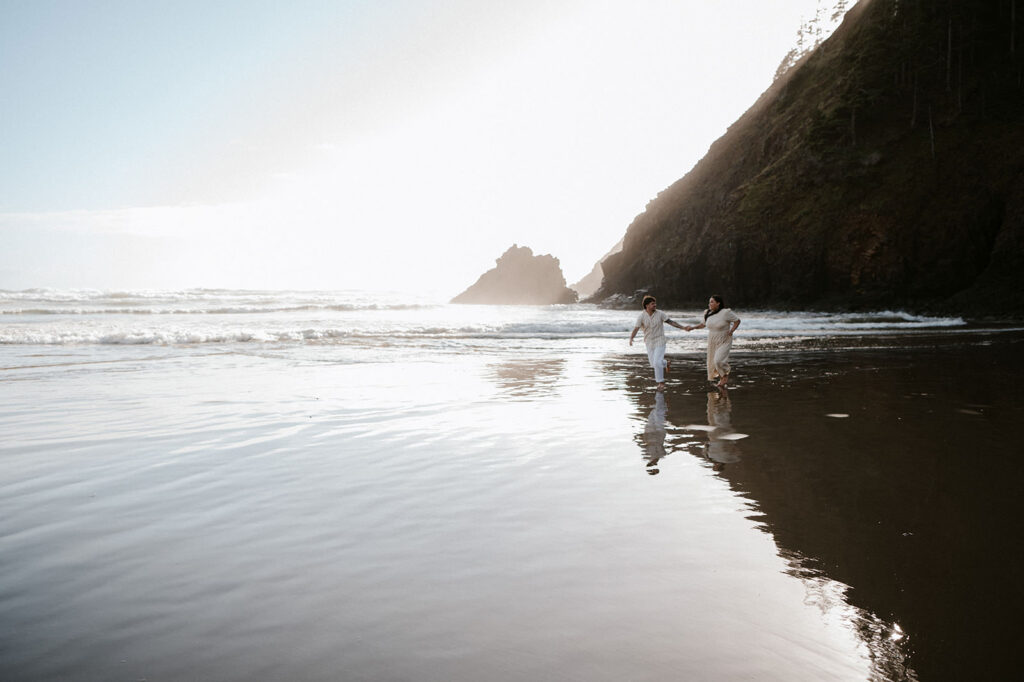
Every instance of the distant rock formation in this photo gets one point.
(520, 278)
(592, 281)
(885, 169)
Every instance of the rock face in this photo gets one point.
(886, 169)
(591, 282)
(520, 278)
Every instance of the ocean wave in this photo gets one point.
(413, 337)
(193, 336)
(91, 295)
(206, 299)
(886, 319)
(216, 316)
(224, 310)
(136, 337)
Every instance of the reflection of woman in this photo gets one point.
(720, 449)
(652, 321)
(721, 322)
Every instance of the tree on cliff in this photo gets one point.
(812, 33)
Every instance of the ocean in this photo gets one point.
(281, 485)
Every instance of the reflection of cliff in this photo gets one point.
(912, 501)
(520, 278)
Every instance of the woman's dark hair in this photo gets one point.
(647, 299)
(721, 304)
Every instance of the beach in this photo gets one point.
(279, 486)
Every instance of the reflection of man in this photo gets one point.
(654, 433)
(720, 449)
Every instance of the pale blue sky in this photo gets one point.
(388, 144)
(95, 91)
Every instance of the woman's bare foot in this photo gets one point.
(723, 381)
(661, 386)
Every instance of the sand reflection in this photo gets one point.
(721, 447)
(527, 378)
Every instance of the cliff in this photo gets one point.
(885, 169)
(520, 278)
(591, 282)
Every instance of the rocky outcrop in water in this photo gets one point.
(520, 278)
(885, 169)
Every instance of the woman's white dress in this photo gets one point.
(719, 342)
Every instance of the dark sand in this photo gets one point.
(912, 499)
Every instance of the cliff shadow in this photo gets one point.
(893, 474)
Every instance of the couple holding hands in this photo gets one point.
(720, 322)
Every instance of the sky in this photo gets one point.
(398, 145)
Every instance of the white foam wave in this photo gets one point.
(229, 310)
(132, 337)
(198, 316)
(176, 336)
(566, 327)
(885, 319)
(206, 299)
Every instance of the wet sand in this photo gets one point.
(517, 517)
(894, 471)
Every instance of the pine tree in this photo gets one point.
(812, 33)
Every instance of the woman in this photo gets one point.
(721, 323)
(652, 321)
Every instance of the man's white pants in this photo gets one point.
(656, 354)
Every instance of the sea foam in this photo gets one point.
(50, 317)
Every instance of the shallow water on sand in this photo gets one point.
(216, 512)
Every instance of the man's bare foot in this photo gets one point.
(661, 386)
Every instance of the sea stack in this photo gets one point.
(520, 278)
